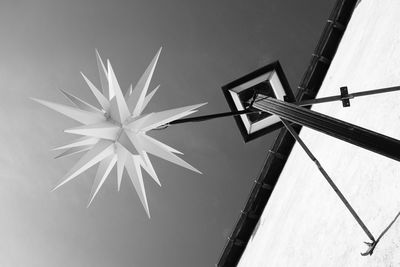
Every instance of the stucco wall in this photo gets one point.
(304, 223)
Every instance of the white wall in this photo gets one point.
(304, 223)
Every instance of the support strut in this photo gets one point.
(372, 244)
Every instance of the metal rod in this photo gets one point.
(214, 116)
(350, 96)
(388, 227)
(329, 180)
(319, 100)
(302, 103)
(345, 131)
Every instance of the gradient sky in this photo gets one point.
(206, 44)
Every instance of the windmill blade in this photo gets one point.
(136, 99)
(100, 151)
(122, 155)
(73, 150)
(103, 101)
(103, 75)
(148, 98)
(80, 103)
(132, 166)
(163, 117)
(152, 146)
(103, 171)
(104, 130)
(83, 141)
(83, 116)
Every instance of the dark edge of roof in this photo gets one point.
(277, 156)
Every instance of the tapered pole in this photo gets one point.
(345, 131)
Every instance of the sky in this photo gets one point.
(206, 44)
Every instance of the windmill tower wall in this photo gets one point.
(304, 222)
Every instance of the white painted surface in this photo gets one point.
(304, 223)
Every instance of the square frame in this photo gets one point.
(274, 75)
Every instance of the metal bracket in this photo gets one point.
(344, 94)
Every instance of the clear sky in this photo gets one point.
(206, 44)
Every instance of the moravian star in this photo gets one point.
(116, 133)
